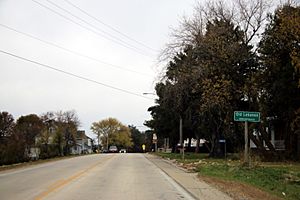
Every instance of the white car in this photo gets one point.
(122, 151)
(113, 149)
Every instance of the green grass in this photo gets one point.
(188, 156)
(275, 178)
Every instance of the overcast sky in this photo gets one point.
(96, 57)
(115, 43)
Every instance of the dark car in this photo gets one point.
(113, 149)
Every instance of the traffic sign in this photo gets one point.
(245, 116)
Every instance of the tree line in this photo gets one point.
(232, 58)
(54, 133)
(111, 131)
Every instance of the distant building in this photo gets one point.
(275, 137)
(194, 142)
(83, 144)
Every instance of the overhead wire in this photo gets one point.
(92, 30)
(73, 75)
(95, 27)
(71, 51)
(108, 26)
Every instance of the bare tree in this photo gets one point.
(188, 33)
(250, 16)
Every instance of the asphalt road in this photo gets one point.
(102, 176)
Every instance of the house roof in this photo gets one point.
(81, 134)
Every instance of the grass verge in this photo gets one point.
(280, 179)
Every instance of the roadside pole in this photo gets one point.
(246, 116)
(98, 143)
(168, 143)
(225, 150)
(246, 152)
(180, 138)
(154, 140)
(107, 142)
(180, 131)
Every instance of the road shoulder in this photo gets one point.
(189, 181)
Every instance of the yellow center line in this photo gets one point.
(62, 182)
(55, 184)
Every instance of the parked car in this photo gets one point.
(113, 149)
(122, 151)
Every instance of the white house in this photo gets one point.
(83, 144)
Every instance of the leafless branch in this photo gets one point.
(248, 15)
(251, 16)
(188, 33)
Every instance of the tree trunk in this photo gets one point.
(258, 143)
(266, 139)
(174, 146)
(215, 150)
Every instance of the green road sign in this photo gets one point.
(245, 116)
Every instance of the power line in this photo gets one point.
(71, 51)
(91, 25)
(108, 26)
(72, 74)
(91, 30)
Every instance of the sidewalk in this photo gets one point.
(189, 181)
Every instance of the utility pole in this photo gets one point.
(107, 142)
(98, 142)
(180, 132)
(168, 143)
(154, 140)
(180, 138)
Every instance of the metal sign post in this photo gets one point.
(246, 153)
(245, 116)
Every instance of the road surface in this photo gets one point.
(101, 176)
